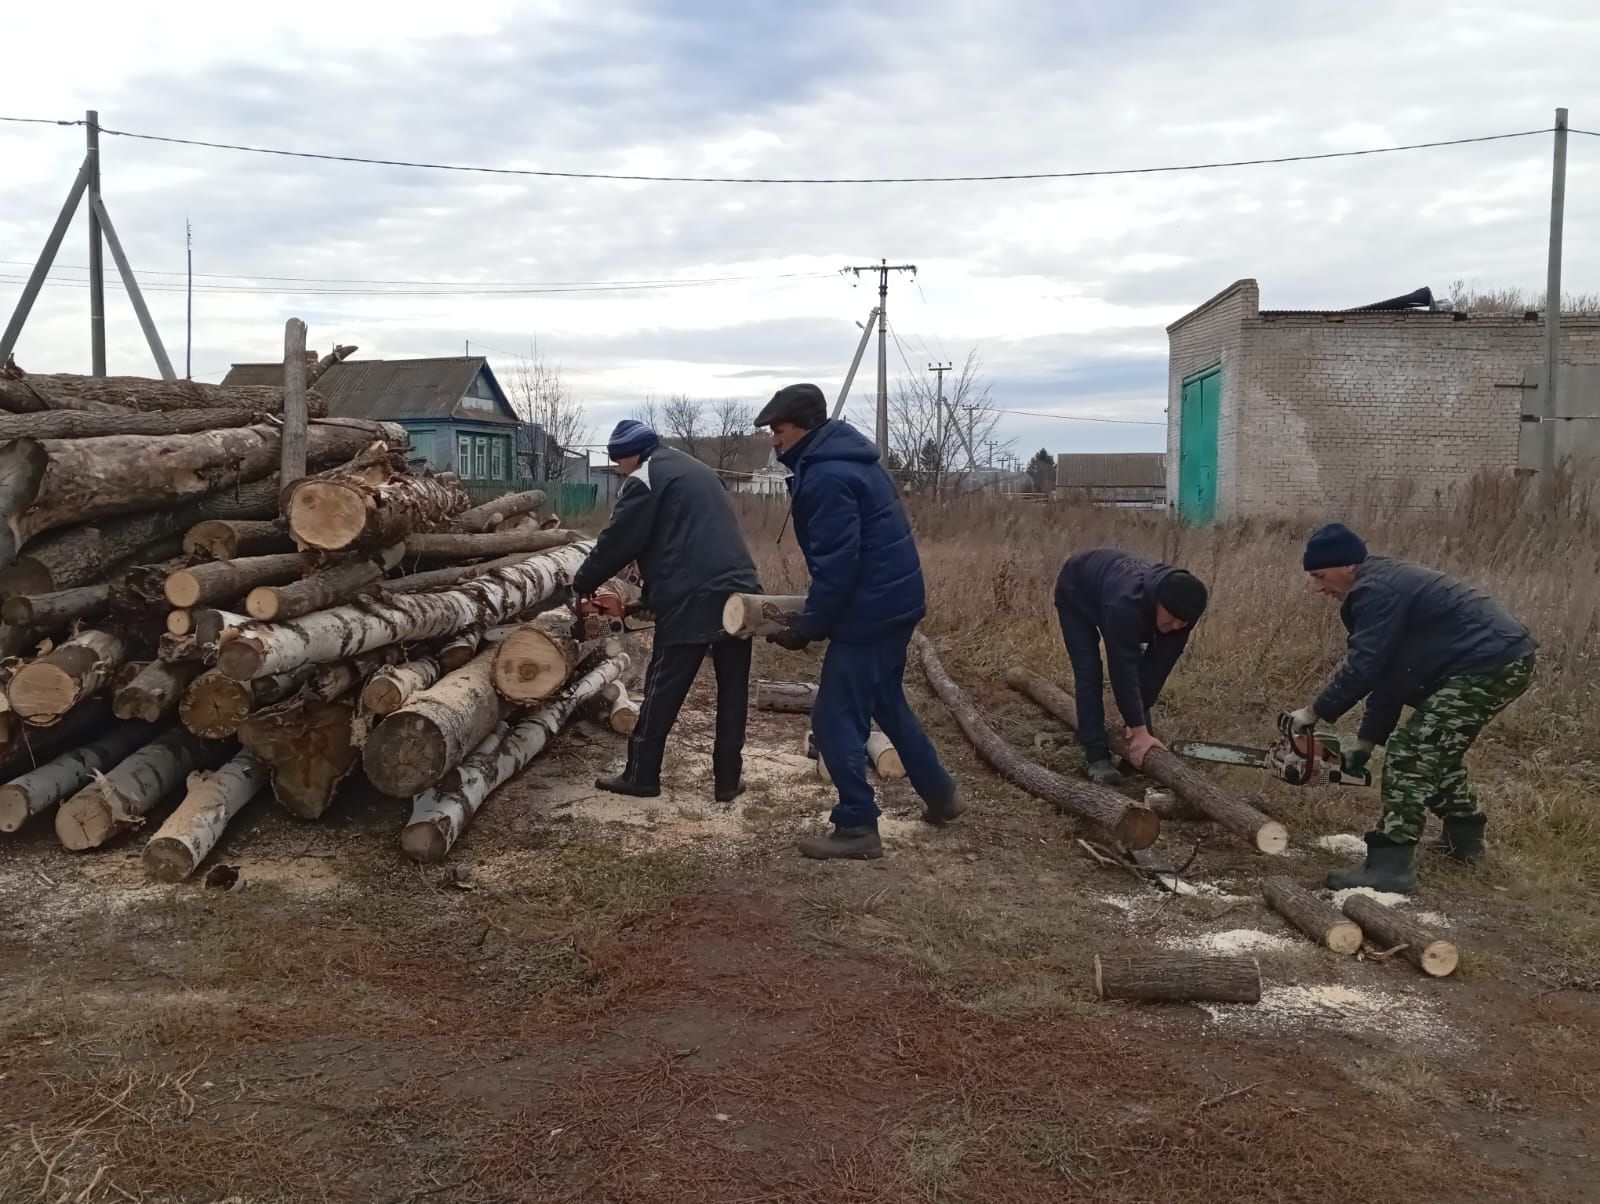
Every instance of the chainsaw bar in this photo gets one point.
(1221, 754)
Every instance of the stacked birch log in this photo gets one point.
(183, 629)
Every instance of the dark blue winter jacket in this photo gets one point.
(866, 578)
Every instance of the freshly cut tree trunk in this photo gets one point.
(417, 583)
(796, 697)
(450, 546)
(50, 483)
(66, 391)
(345, 631)
(193, 830)
(1431, 954)
(222, 580)
(231, 538)
(1178, 977)
(748, 615)
(535, 660)
(459, 649)
(40, 789)
(180, 622)
(42, 691)
(157, 689)
(491, 515)
(334, 584)
(1137, 827)
(56, 609)
(117, 801)
(337, 513)
(215, 705)
(97, 424)
(623, 711)
(438, 817)
(1267, 835)
(1319, 920)
(307, 743)
(418, 744)
(388, 689)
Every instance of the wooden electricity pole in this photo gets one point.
(1552, 307)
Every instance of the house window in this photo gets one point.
(480, 460)
(464, 458)
(497, 460)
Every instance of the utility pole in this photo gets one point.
(938, 428)
(97, 280)
(883, 267)
(188, 310)
(850, 376)
(1552, 307)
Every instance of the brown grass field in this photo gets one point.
(596, 1001)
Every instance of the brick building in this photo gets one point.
(1273, 411)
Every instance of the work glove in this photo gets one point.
(1297, 723)
(790, 639)
(1358, 758)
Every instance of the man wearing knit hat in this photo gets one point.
(1422, 639)
(866, 598)
(1143, 610)
(674, 518)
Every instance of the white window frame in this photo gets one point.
(480, 458)
(497, 459)
(464, 457)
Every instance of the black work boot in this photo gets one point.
(621, 783)
(1103, 772)
(726, 794)
(1389, 867)
(945, 810)
(853, 844)
(1462, 838)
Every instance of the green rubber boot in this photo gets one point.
(1462, 838)
(1389, 867)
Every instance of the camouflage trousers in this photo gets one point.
(1422, 765)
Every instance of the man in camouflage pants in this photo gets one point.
(1417, 638)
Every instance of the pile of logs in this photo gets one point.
(189, 621)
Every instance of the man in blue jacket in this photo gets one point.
(866, 598)
(1422, 639)
(1143, 611)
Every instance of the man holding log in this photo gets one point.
(674, 518)
(866, 599)
(1143, 610)
(1417, 638)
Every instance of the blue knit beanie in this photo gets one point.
(631, 437)
(1333, 546)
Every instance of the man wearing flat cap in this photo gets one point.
(674, 519)
(866, 598)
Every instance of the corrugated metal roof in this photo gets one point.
(1088, 470)
(389, 389)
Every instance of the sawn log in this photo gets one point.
(748, 615)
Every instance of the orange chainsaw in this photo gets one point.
(1301, 760)
(606, 612)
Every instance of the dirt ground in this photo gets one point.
(600, 999)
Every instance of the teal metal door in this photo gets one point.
(1197, 447)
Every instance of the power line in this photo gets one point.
(1084, 418)
(999, 177)
(489, 291)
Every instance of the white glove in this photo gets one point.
(1296, 722)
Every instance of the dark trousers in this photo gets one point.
(1082, 638)
(666, 684)
(861, 684)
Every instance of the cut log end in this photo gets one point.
(84, 822)
(14, 810)
(240, 659)
(168, 860)
(1138, 827)
(1344, 938)
(262, 603)
(327, 514)
(183, 589)
(382, 696)
(425, 843)
(531, 665)
(1272, 838)
(1440, 959)
(404, 755)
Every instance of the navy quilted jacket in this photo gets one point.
(866, 578)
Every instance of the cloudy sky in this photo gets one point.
(1064, 286)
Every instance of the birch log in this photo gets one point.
(459, 649)
(118, 800)
(339, 512)
(490, 515)
(621, 710)
(1319, 920)
(388, 689)
(438, 817)
(231, 538)
(42, 788)
(156, 689)
(448, 545)
(215, 705)
(428, 736)
(193, 830)
(433, 579)
(748, 615)
(42, 691)
(320, 590)
(344, 631)
(1137, 827)
(535, 660)
(224, 580)
(797, 697)
(885, 762)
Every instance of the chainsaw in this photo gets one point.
(1301, 760)
(607, 611)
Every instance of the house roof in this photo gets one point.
(1087, 470)
(397, 389)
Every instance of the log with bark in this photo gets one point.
(1385, 926)
(439, 816)
(434, 579)
(213, 628)
(58, 608)
(118, 800)
(388, 689)
(749, 615)
(345, 631)
(42, 391)
(339, 353)
(453, 546)
(180, 622)
(23, 748)
(881, 756)
(222, 580)
(367, 508)
(194, 828)
(416, 745)
(1178, 977)
(795, 697)
(459, 649)
(228, 539)
(1317, 918)
(215, 705)
(43, 691)
(1137, 827)
(621, 711)
(98, 424)
(1265, 834)
(40, 789)
(157, 688)
(327, 587)
(491, 515)
(51, 483)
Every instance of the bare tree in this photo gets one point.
(734, 424)
(685, 418)
(933, 447)
(540, 396)
(648, 412)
